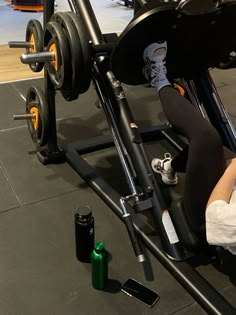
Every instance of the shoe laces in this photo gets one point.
(160, 164)
(157, 67)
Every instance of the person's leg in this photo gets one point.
(179, 162)
(205, 164)
(156, 75)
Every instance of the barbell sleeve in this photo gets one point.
(37, 57)
(18, 44)
(23, 116)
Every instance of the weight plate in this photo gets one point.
(86, 56)
(56, 42)
(34, 35)
(67, 25)
(38, 126)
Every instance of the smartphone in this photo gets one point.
(137, 290)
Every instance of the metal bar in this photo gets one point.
(23, 116)
(37, 57)
(18, 44)
(89, 20)
(48, 10)
(199, 288)
(125, 161)
(103, 142)
(72, 6)
(173, 139)
(128, 221)
(52, 133)
(130, 136)
(49, 88)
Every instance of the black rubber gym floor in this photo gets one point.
(39, 271)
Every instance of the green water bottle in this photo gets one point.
(99, 266)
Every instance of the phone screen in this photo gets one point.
(134, 288)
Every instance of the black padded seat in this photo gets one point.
(196, 42)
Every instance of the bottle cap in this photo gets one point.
(99, 246)
(83, 213)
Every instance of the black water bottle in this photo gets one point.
(84, 233)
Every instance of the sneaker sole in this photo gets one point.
(168, 181)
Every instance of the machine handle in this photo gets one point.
(133, 237)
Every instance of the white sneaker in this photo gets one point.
(163, 167)
(155, 69)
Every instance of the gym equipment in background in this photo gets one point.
(33, 43)
(190, 24)
(37, 116)
(126, 3)
(28, 5)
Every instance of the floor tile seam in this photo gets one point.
(11, 209)
(24, 205)
(225, 84)
(234, 116)
(183, 307)
(18, 91)
(230, 285)
(49, 198)
(58, 120)
(6, 176)
(21, 80)
(13, 128)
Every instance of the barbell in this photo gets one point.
(68, 54)
(33, 43)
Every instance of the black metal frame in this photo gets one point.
(119, 115)
(52, 152)
(215, 110)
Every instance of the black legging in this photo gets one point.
(205, 157)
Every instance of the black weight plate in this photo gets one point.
(55, 40)
(71, 33)
(86, 70)
(38, 126)
(34, 34)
